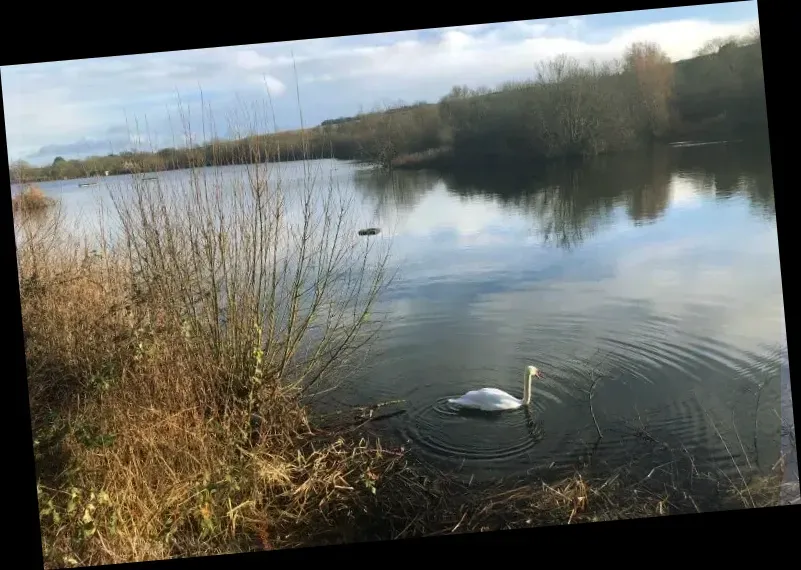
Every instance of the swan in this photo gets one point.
(493, 399)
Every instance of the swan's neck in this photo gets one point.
(527, 388)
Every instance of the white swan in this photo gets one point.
(493, 399)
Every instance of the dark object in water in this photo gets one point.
(369, 231)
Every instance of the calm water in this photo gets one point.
(659, 269)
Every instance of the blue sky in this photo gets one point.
(82, 107)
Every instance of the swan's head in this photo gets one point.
(532, 370)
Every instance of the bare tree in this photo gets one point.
(268, 278)
(653, 74)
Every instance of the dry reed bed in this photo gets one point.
(31, 199)
(140, 454)
(135, 460)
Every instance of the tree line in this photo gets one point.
(568, 109)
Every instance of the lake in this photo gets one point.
(656, 272)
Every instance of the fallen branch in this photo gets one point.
(591, 394)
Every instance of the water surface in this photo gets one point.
(658, 270)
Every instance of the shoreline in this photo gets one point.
(442, 159)
(127, 440)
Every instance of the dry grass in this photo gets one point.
(144, 421)
(136, 458)
(31, 199)
(435, 504)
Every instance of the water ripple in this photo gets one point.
(447, 431)
(655, 364)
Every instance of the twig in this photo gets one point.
(739, 472)
(756, 420)
(591, 394)
(742, 446)
(362, 422)
(364, 409)
(460, 522)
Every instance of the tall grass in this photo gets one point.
(168, 369)
(31, 199)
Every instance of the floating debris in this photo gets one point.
(369, 231)
(681, 144)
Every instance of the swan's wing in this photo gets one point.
(488, 398)
(464, 402)
(490, 393)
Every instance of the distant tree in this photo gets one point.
(652, 71)
(457, 92)
(754, 35)
(19, 171)
(717, 45)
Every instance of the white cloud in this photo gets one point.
(250, 59)
(679, 38)
(41, 116)
(683, 193)
(438, 212)
(513, 50)
(66, 102)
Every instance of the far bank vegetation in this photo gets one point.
(567, 109)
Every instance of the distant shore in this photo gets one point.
(568, 110)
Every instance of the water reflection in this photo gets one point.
(392, 192)
(567, 204)
(730, 171)
(637, 256)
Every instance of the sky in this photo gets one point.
(79, 108)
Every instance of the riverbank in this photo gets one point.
(446, 160)
(146, 449)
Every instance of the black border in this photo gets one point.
(47, 39)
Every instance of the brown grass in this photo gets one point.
(146, 447)
(135, 463)
(31, 199)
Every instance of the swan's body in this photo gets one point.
(493, 399)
